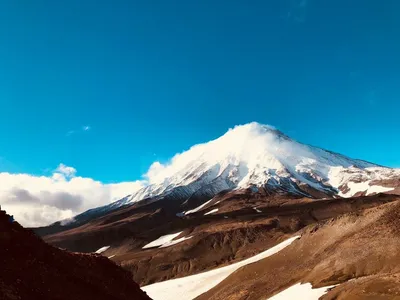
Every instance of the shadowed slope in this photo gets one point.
(31, 269)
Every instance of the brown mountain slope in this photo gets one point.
(358, 250)
(235, 232)
(30, 269)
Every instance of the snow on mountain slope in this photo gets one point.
(164, 241)
(189, 287)
(352, 181)
(255, 155)
(302, 291)
(259, 156)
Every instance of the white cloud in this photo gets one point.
(156, 172)
(40, 200)
(64, 171)
(83, 128)
(247, 142)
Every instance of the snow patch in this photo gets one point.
(185, 213)
(211, 211)
(364, 187)
(301, 291)
(359, 180)
(102, 249)
(187, 288)
(376, 189)
(111, 256)
(166, 241)
(174, 242)
(257, 210)
(162, 240)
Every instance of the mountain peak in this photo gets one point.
(253, 130)
(254, 126)
(246, 143)
(247, 155)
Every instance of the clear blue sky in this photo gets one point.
(152, 78)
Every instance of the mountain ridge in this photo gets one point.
(254, 156)
(261, 149)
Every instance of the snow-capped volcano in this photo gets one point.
(260, 156)
(227, 199)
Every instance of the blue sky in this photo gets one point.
(152, 78)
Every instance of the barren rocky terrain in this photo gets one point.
(357, 251)
(31, 269)
(343, 241)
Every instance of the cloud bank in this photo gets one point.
(41, 200)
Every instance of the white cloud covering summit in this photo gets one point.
(41, 200)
